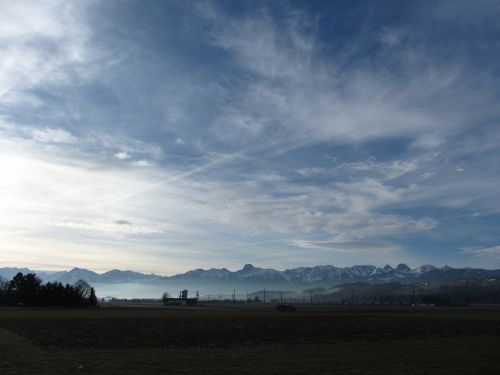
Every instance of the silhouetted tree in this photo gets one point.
(4, 287)
(92, 300)
(4, 284)
(83, 289)
(29, 290)
(25, 288)
(165, 297)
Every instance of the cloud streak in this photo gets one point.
(350, 246)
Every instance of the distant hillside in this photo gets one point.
(460, 292)
(303, 276)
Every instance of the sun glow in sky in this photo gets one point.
(162, 136)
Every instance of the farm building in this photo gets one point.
(182, 300)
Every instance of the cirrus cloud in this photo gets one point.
(350, 246)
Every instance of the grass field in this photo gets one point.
(249, 339)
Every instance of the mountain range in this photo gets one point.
(320, 275)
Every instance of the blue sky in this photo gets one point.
(164, 136)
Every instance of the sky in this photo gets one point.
(162, 136)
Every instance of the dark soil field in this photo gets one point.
(250, 339)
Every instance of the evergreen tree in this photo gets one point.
(25, 289)
(28, 290)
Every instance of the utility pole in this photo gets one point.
(413, 293)
(281, 297)
(264, 296)
(247, 297)
(234, 295)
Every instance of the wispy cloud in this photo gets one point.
(354, 246)
(53, 136)
(122, 155)
(44, 43)
(392, 37)
(488, 251)
(114, 227)
(294, 93)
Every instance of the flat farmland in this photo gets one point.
(249, 339)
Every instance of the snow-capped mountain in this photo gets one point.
(331, 275)
(320, 275)
(426, 268)
(247, 273)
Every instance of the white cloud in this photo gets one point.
(50, 135)
(107, 227)
(296, 95)
(345, 210)
(43, 43)
(103, 141)
(292, 94)
(141, 163)
(383, 170)
(351, 246)
(37, 187)
(122, 155)
(312, 171)
(428, 174)
(488, 251)
(22, 19)
(81, 198)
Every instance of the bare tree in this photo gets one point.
(164, 298)
(84, 290)
(4, 284)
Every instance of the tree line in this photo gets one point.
(28, 290)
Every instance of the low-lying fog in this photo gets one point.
(156, 290)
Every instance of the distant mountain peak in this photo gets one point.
(403, 267)
(76, 270)
(248, 268)
(426, 268)
(115, 271)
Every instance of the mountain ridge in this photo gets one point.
(317, 275)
